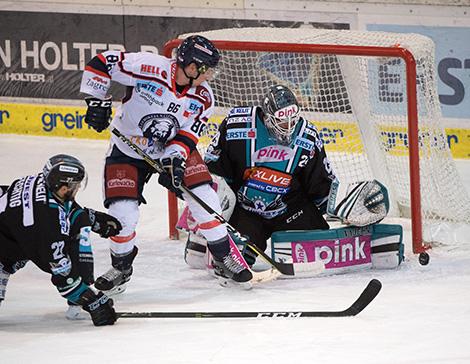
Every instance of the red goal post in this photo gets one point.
(275, 51)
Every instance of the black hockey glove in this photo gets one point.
(173, 177)
(103, 224)
(99, 306)
(98, 113)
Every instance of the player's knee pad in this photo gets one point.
(195, 251)
(206, 193)
(208, 226)
(127, 212)
(226, 196)
(227, 200)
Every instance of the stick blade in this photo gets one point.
(366, 297)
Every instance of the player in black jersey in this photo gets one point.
(40, 221)
(279, 176)
(275, 163)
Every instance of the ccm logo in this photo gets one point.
(295, 216)
(100, 103)
(279, 314)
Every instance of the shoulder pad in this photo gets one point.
(205, 92)
(310, 131)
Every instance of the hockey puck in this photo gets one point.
(423, 258)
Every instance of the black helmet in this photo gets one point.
(281, 112)
(199, 50)
(64, 170)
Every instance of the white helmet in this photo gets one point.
(282, 112)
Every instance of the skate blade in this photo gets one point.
(116, 290)
(230, 283)
(267, 275)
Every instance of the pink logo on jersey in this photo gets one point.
(273, 153)
(286, 112)
(335, 253)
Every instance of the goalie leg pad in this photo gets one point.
(387, 249)
(341, 250)
(195, 251)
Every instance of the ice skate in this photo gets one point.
(229, 272)
(114, 281)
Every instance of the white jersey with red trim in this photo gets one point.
(153, 114)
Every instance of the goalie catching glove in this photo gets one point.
(174, 166)
(359, 204)
(98, 113)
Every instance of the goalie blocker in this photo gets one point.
(342, 250)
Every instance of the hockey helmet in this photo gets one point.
(199, 50)
(64, 170)
(282, 112)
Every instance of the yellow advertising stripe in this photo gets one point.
(68, 121)
(46, 120)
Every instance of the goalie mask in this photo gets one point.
(65, 170)
(282, 112)
(200, 51)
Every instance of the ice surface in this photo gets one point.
(422, 314)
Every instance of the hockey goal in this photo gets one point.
(373, 98)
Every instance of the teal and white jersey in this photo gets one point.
(265, 175)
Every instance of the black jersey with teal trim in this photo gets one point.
(34, 226)
(265, 175)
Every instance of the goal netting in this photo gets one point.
(373, 98)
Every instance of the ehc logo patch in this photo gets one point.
(273, 153)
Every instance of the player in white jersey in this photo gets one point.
(164, 111)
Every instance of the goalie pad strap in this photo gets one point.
(191, 245)
(385, 248)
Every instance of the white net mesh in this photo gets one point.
(359, 105)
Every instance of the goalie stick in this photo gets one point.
(366, 297)
(289, 269)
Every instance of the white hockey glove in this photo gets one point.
(359, 204)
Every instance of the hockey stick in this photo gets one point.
(366, 297)
(289, 269)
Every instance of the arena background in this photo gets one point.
(44, 46)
